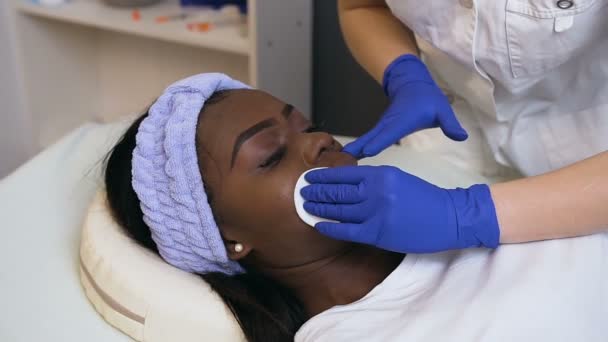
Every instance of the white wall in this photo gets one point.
(16, 144)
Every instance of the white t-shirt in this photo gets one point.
(545, 291)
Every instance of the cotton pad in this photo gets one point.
(308, 218)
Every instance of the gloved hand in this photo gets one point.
(416, 103)
(393, 210)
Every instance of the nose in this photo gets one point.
(314, 145)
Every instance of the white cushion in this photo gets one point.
(140, 294)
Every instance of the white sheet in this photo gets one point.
(42, 206)
(555, 290)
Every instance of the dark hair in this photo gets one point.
(265, 310)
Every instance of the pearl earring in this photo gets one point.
(238, 248)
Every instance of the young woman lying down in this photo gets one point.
(206, 179)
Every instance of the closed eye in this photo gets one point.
(312, 129)
(275, 158)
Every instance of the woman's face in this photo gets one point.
(252, 148)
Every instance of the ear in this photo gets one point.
(233, 254)
(231, 240)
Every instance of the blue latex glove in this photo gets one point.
(416, 103)
(393, 210)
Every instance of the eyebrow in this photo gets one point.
(247, 134)
(255, 129)
(286, 112)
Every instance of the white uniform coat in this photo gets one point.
(532, 75)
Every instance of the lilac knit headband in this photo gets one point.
(167, 179)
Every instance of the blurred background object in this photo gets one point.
(242, 4)
(50, 2)
(131, 3)
(215, 4)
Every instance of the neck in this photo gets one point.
(338, 279)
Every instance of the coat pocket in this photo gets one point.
(544, 34)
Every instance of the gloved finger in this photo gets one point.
(342, 231)
(332, 193)
(339, 175)
(356, 147)
(347, 213)
(450, 126)
(390, 135)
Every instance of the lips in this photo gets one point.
(333, 159)
(332, 156)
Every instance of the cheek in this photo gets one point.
(265, 204)
(277, 196)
